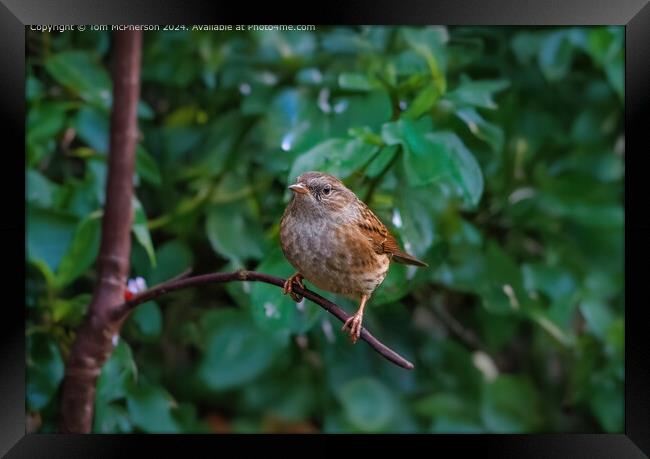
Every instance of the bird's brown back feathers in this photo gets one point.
(381, 239)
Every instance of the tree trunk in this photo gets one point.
(94, 341)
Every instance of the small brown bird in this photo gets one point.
(335, 242)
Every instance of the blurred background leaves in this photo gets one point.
(494, 154)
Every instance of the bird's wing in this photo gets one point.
(381, 239)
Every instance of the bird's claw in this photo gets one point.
(354, 324)
(288, 287)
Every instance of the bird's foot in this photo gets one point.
(288, 287)
(354, 325)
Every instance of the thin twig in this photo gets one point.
(180, 276)
(468, 338)
(122, 310)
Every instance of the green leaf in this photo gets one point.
(172, 258)
(70, 312)
(447, 158)
(615, 336)
(434, 157)
(608, 405)
(457, 426)
(275, 312)
(604, 43)
(344, 41)
(82, 251)
(288, 395)
(147, 320)
(554, 281)
(429, 42)
(481, 128)
(394, 132)
(117, 375)
(33, 88)
(502, 288)
(381, 161)
(175, 69)
(463, 168)
(424, 101)
(82, 73)
(309, 76)
(179, 141)
(146, 167)
(476, 93)
(368, 404)
(423, 161)
(525, 45)
(510, 405)
(185, 414)
(44, 122)
(450, 413)
(595, 215)
(145, 112)
(277, 46)
(394, 287)
(413, 218)
(49, 234)
(236, 352)
(603, 166)
(96, 176)
(221, 139)
(141, 230)
(408, 71)
(369, 110)
(40, 190)
(339, 157)
(555, 55)
(234, 233)
(597, 315)
(92, 125)
(454, 368)
(498, 330)
(44, 370)
(296, 122)
(45, 271)
(357, 82)
(110, 419)
(615, 72)
(366, 134)
(293, 122)
(151, 409)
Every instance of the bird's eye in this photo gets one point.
(327, 190)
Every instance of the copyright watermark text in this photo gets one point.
(213, 28)
(95, 27)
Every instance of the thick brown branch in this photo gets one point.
(93, 343)
(122, 311)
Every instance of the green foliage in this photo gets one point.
(44, 370)
(236, 352)
(494, 154)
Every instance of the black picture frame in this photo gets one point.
(633, 14)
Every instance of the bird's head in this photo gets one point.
(321, 193)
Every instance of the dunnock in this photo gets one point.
(335, 242)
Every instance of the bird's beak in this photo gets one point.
(299, 188)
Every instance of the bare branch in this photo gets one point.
(122, 311)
